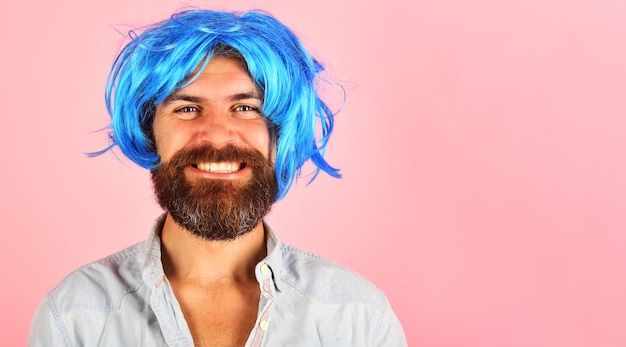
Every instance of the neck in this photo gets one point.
(187, 257)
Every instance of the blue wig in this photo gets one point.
(164, 57)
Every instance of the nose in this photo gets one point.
(216, 128)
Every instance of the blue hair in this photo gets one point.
(164, 57)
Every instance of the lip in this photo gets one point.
(192, 171)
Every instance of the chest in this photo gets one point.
(219, 316)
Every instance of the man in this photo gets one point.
(222, 108)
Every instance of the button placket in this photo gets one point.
(267, 288)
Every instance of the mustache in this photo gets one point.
(209, 153)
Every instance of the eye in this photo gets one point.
(246, 108)
(186, 109)
(247, 111)
(187, 112)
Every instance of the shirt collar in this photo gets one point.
(274, 258)
(153, 273)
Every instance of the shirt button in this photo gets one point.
(265, 269)
(263, 325)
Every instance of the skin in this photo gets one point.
(214, 281)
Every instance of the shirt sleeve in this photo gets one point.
(389, 332)
(45, 330)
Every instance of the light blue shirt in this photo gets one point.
(125, 300)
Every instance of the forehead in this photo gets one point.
(222, 75)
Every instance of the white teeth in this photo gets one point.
(222, 167)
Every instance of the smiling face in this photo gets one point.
(221, 107)
(217, 177)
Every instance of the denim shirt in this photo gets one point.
(126, 300)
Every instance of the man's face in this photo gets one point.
(217, 177)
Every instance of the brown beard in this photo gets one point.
(216, 209)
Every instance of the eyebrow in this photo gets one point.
(248, 95)
(235, 97)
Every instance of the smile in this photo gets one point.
(220, 167)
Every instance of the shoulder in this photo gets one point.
(328, 281)
(100, 285)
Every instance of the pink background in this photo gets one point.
(482, 145)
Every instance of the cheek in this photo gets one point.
(263, 142)
(164, 140)
(257, 135)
